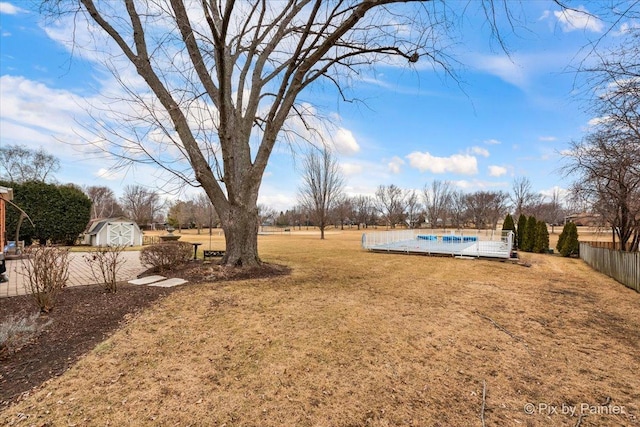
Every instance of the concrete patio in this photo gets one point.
(79, 272)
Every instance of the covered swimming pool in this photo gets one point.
(467, 243)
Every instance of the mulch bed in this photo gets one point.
(84, 316)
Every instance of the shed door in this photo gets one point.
(120, 234)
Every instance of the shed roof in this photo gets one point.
(96, 225)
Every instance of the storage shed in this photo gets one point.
(113, 232)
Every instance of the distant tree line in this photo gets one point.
(438, 205)
(196, 212)
(322, 202)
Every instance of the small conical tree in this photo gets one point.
(570, 245)
(542, 238)
(522, 225)
(562, 237)
(530, 231)
(508, 224)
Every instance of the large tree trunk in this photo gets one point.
(241, 236)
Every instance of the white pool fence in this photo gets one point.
(470, 243)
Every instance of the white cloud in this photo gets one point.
(597, 121)
(492, 141)
(32, 103)
(479, 151)
(9, 9)
(547, 138)
(308, 125)
(479, 185)
(351, 168)
(563, 193)
(578, 19)
(395, 165)
(545, 15)
(278, 200)
(505, 67)
(464, 164)
(520, 69)
(354, 191)
(345, 142)
(17, 133)
(497, 170)
(377, 81)
(108, 174)
(626, 28)
(34, 114)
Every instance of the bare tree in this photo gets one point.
(266, 215)
(298, 216)
(523, 198)
(364, 210)
(343, 211)
(458, 211)
(196, 212)
(413, 209)
(437, 201)
(20, 164)
(390, 203)
(553, 211)
(103, 202)
(607, 168)
(140, 204)
(498, 207)
(180, 214)
(486, 207)
(322, 186)
(614, 84)
(606, 162)
(223, 76)
(204, 213)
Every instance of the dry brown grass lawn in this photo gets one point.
(352, 338)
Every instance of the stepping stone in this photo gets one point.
(169, 283)
(146, 280)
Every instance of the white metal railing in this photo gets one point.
(378, 238)
(494, 243)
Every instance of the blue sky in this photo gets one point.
(504, 117)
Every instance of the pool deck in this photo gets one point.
(79, 272)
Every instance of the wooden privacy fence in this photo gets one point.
(606, 245)
(622, 266)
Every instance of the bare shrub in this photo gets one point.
(46, 272)
(166, 256)
(105, 263)
(16, 331)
